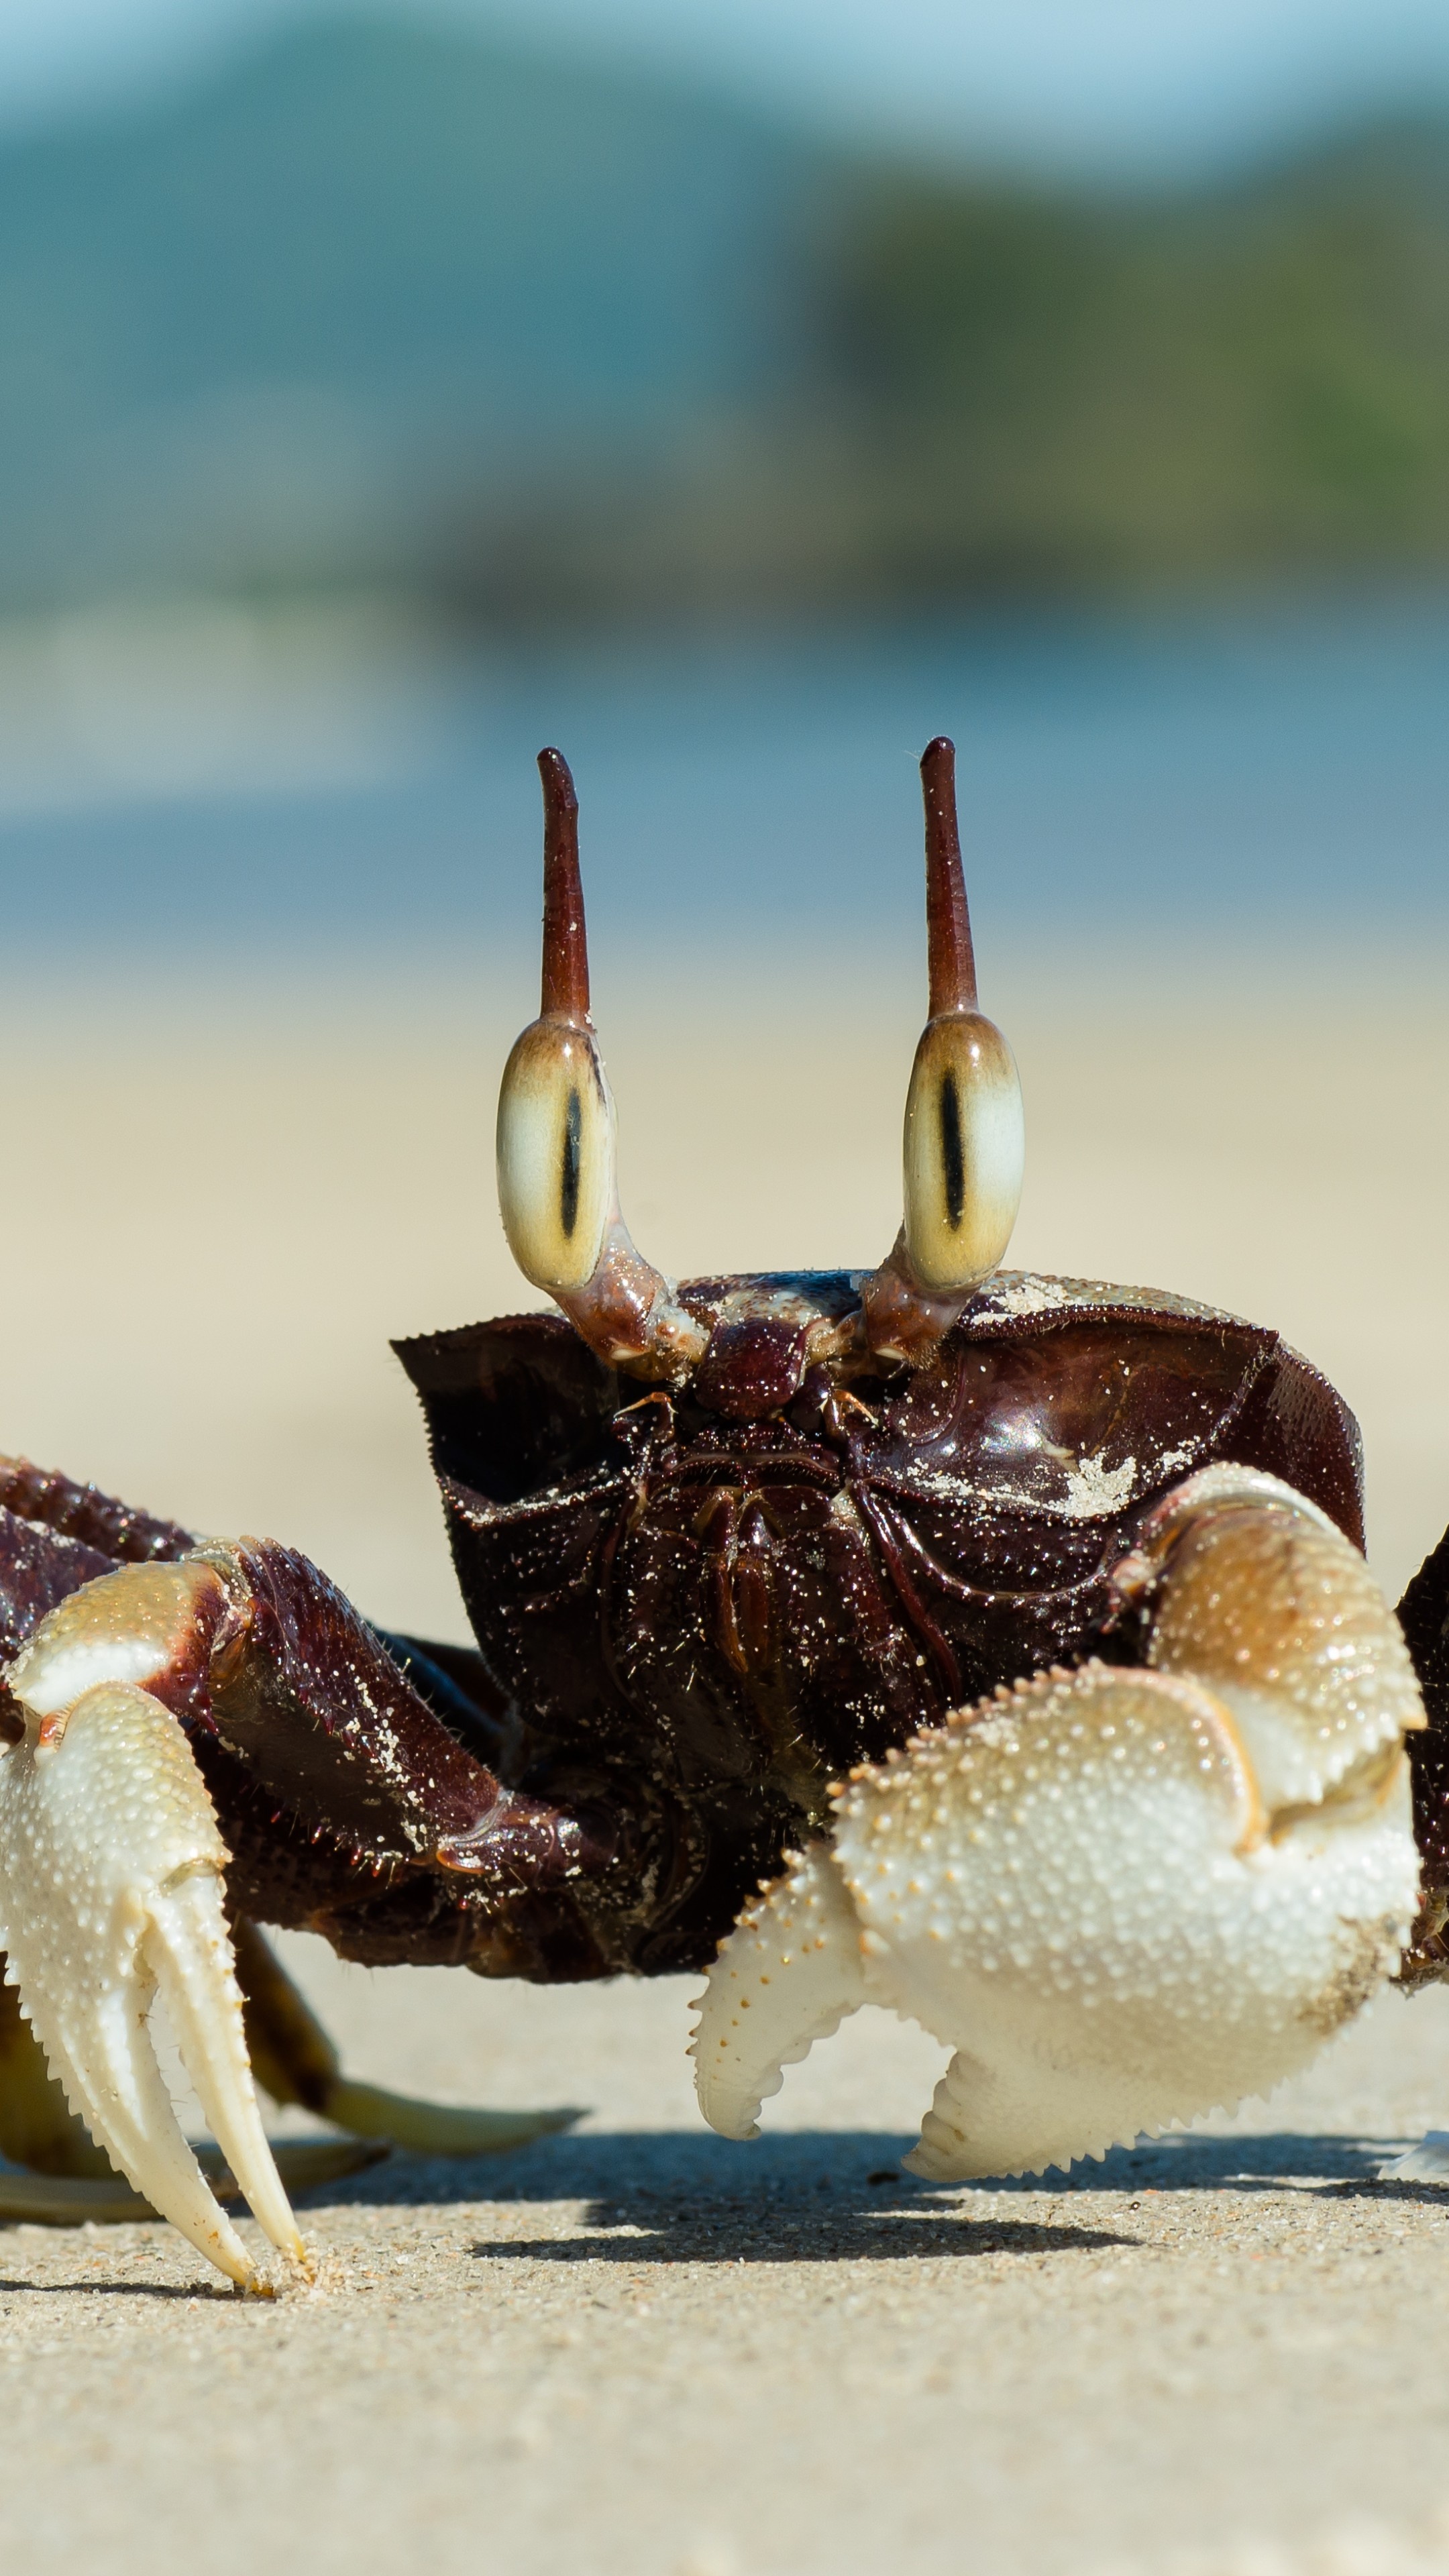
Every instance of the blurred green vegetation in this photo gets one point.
(1085, 392)
(1014, 391)
(386, 305)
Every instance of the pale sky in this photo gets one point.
(1147, 80)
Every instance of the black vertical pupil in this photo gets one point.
(568, 1196)
(953, 1160)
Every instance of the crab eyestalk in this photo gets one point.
(964, 1146)
(557, 1187)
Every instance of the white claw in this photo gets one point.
(110, 1887)
(1122, 1896)
(787, 1976)
(1427, 2162)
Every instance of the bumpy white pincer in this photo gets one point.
(111, 1888)
(1123, 1896)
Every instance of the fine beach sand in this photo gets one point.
(639, 2351)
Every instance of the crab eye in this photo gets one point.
(965, 1151)
(555, 1155)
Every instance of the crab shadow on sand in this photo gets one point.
(840, 2195)
(829, 2196)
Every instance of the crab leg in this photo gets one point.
(110, 1890)
(36, 2127)
(1122, 1896)
(65, 2178)
(295, 2061)
(129, 1693)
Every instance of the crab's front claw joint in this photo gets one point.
(1123, 1896)
(110, 1892)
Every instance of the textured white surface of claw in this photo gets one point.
(1427, 2162)
(1283, 1620)
(1123, 1896)
(125, 1627)
(110, 1884)
(786, 1976)
(1082, 1895)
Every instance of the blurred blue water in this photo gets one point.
(1267, 771)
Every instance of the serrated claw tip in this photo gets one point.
(111, 1891)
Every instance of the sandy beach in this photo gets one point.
(637, 2348)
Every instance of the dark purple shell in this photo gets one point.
(708, 1605)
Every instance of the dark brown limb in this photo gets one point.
(38, 1568)
(1424, 1618)
(399, 1841)
(82, 1512)
(295, 2061)
(351, 1805)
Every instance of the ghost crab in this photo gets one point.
(994, 1647)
